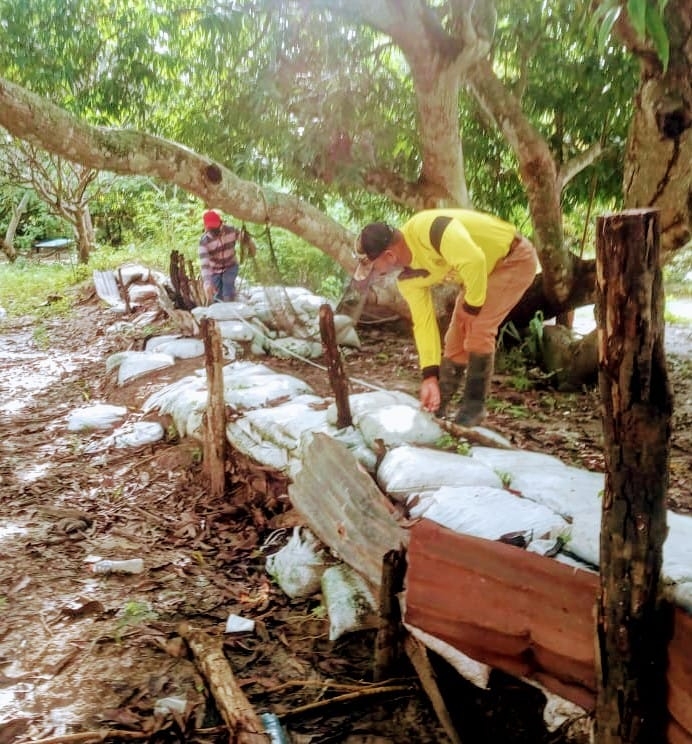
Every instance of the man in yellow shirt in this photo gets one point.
(494, 265)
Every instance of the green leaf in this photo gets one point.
(607, 26)
(657, 31)
(636, 10)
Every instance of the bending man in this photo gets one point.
(493, 263)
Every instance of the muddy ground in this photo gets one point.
(86, 657)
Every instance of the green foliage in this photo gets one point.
(133, 613)
(530, 345)
(646, 18)
(37, 222)
(451, 444)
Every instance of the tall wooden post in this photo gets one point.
(637, 404)
(335, 369)
(215, 417)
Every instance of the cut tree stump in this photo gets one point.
(633, 624)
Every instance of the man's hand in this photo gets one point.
(430, 394)
(209, 289)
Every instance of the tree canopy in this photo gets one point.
(280, 109)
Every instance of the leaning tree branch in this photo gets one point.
(127, 152)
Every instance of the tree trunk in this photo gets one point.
(84, 231)
(657, 169)
(637, 405)
(8, 242)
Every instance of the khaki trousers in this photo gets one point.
(507, 282)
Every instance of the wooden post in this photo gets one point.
(215, 417)
(389, 634)
(637, 403)
(337, 378)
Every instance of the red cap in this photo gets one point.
(211, 219)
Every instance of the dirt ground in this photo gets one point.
(85, 657)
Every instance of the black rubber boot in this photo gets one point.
(450, 379)
(478, 375)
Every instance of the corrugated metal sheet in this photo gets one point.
(343, 506)
(525, 614)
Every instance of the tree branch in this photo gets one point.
(578, 163)
(127, 152)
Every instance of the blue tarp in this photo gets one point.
(54, 244)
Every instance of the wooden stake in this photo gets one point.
(418, 655)
(244, 725)
(215, 430)
(337, 377)
(388, 641)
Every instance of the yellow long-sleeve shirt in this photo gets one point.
(458, 245)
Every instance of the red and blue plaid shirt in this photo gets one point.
(217, 251)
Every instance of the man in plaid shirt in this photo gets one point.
(217, 256)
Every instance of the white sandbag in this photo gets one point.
(487, 512)
(236, 330)
(363, 403)
(349, 602)
(179, 348)
(242, 436)
(406, 470)
(284, 425)
(298, 567)
(290, 348)
(398, 424)
(545, 479)
(224, 311)
(350, 437)
(139, 292)
(248, 385)
(133, 435)
(134, 273)
(681, 595)
(185, 400)
(134, 364)
(677, 548)
(584, 540)
(98, 416)
(345, 332)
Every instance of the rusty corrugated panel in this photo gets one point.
(343, 506)
(680, 677)
(520, 612)
(677, 735)
(525, 614)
